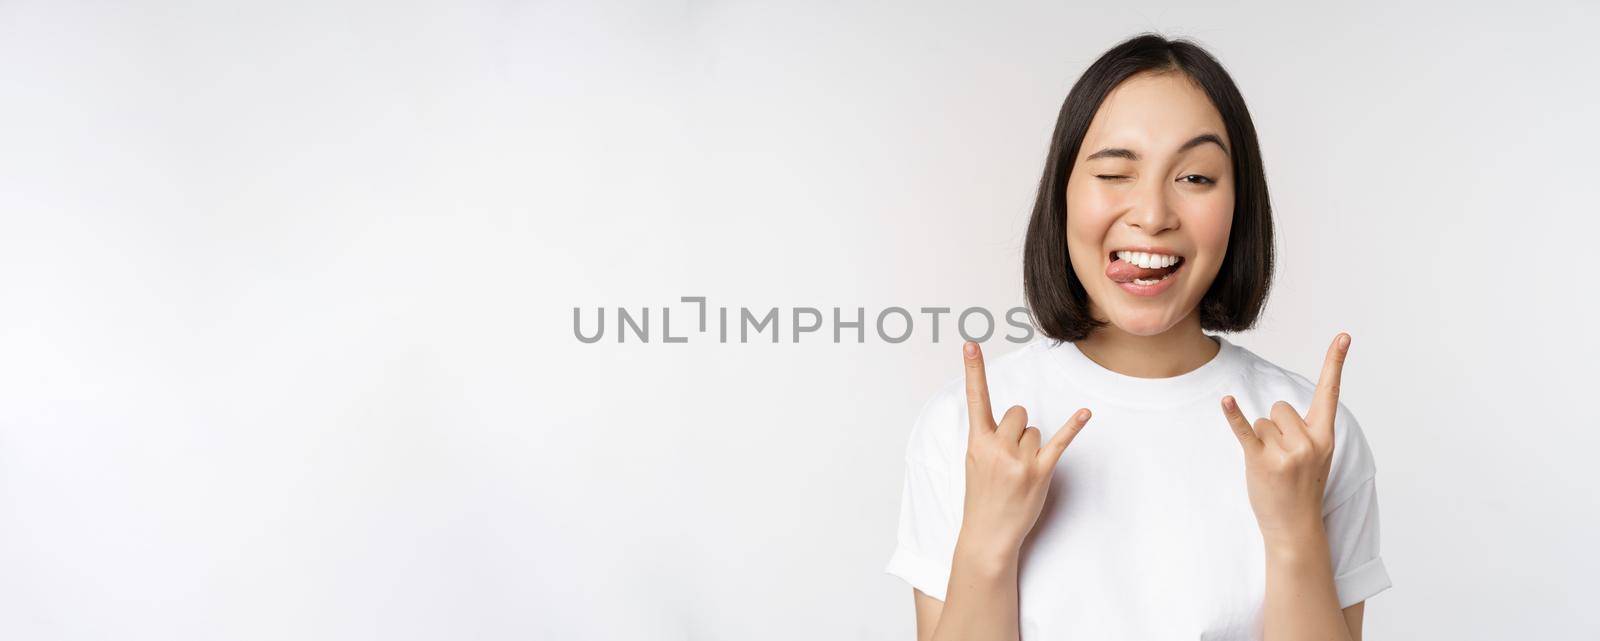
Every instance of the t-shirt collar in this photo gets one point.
(1090, 376)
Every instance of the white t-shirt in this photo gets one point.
(1147, 532)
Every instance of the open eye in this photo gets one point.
(1202, 179)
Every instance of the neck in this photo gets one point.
(1181, 349)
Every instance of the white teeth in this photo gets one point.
(1146, 283)
(1148, 260)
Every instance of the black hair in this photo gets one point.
(1057, 299)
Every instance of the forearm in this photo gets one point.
(1301, 602)
(981, 599)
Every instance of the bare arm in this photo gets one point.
(930, 611)
(1302, 603)
(1352, 619)
(1008, 473)
(981, 601)
(1287, 459)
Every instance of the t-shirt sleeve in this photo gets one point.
(931, 500)
(1350, 517)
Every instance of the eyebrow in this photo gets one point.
(1118, 152)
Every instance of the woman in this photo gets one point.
(1175, 516)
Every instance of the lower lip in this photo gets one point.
(1151, 290)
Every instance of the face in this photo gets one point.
(1150, 203)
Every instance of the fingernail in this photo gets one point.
(1227, 401)
(1344, 341)
(972, 349)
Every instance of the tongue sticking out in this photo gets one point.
(1124, 272)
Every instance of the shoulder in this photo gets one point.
(1353, 462)
(1274, 382)
(940, 431)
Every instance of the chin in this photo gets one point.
(1143, 324)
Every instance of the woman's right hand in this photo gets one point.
(1008, 472)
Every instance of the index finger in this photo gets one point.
(979, 416)
(1326, 401)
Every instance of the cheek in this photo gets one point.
(1209, 221)
(1089, 214)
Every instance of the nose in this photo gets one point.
(1152, 212)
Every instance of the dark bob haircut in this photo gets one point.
(1056, 297)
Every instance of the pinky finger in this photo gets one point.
(1239, 424)
(1063, 437)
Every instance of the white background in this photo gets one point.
(286, 297)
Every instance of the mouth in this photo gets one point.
(1143, 271)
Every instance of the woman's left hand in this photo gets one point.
(1287, 457)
